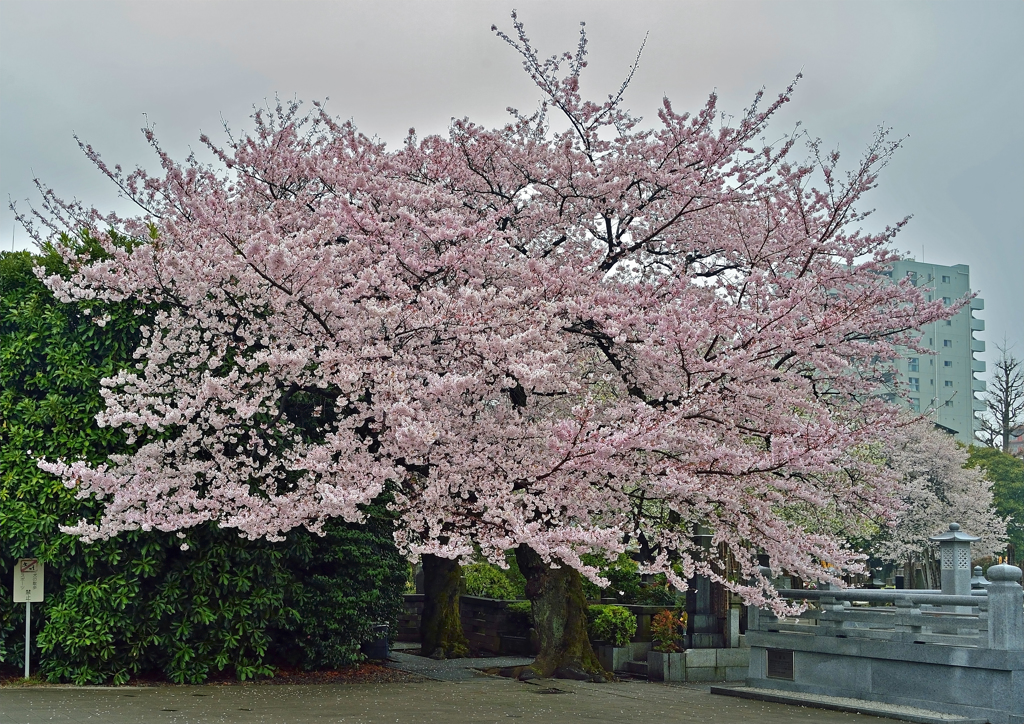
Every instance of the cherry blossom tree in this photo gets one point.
(938, 490)
(549, 341)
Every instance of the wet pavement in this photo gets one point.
(478, 700)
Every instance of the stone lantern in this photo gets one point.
(978, 580)
(955, 557)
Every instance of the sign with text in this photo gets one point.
(28, 580)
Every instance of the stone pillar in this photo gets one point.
(955, 560)
(1005, 608)
(732, 628)
(701, 621)
(756, 617)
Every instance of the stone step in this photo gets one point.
(844, 704)
(637, 667)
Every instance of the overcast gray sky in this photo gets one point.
(950, 75)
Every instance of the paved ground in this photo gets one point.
(481, 700)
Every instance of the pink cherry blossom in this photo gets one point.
(558, 339)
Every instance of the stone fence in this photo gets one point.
(955, 651)
(486, 624)
(490, 628)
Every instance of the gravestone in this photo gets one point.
(701, 618)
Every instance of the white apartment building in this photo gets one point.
(942, 384)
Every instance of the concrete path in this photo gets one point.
(482, 700)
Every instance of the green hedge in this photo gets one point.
(625, 584)
(138, 603)
(489, 581)
(614, 624)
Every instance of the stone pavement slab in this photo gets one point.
(482, 700)
(451, 669)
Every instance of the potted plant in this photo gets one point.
(614, 625)
(665, 662)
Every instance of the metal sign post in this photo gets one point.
(28, 588)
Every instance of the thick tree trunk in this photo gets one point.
(560, 619)
(441, 625)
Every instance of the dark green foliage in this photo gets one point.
(139, 603)
(1007, 475)
(613, 624)
(185, 613)
(489, 581)
(352, 578)
(626, 585)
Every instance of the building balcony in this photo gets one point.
(977, 325)
(977, 345)
(977, 303)
(977, 405)
(978, 385)
(977, 365)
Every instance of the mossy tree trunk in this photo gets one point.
(560, 619)
(441, 625)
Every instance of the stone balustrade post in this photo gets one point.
(756, 618)
(908, 631)
(1005, 608)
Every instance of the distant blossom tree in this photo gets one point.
(552, 342)
(938, 490)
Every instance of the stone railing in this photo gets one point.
(866, 644)
(991, 618)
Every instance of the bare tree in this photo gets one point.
(1004, 402)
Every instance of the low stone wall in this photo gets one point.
(485, 624)
(716, 664)
(952, 652)
(689, 665)
(409, 621)
(971, 682)
(488, 628)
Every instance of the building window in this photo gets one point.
(913, 364)
(945, 279)
(949, 403)
(947, 383)
(949, 322)
(915, 384)
(947, 363)
(947, 301)
(947, 343)
(915, 404)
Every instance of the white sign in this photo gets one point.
(28, 581)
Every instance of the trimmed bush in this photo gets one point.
(613, 624)
(666, 628)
